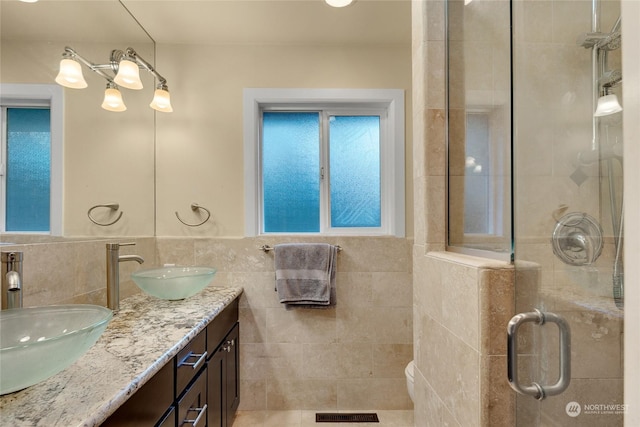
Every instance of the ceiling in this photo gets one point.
(274, 21)
(309, 22)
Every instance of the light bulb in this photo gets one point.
(161, 101)
(113, 100)
(128, 75)
(339, 3)
(70, 74)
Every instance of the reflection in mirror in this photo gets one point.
(479, 126)
(108, 157)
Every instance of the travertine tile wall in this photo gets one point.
(462, 306)
(348, 357)
(461, 303)
(74, 271)
(479, 85)
(555, 88)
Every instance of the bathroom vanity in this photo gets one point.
(158, 362)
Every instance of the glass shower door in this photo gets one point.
(568, 227)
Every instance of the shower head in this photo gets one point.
(611, 79)
(589, 40)
(612, 41)
(603, 41)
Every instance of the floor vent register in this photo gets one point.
(346, 418)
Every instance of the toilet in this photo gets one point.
(408, 372)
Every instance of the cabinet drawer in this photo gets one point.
(221, 325)
(192, 407)
(189, 362)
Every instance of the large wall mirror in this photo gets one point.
(479, 126)
(107, 157)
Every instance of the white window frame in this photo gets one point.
(392, 154)
(38, 95)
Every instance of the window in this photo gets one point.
(484, 177)
(31, 159)
(324, 161)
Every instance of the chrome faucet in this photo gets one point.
(113, 272)
(11, 280)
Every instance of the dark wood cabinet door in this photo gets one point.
(169, 420)
(147, 405)
(215, 398)
(232, 373)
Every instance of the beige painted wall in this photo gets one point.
(200, 145)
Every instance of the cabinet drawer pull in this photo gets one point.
(201, 359)
(202, 411)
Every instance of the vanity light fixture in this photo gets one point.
(339, 3)
(122, 70)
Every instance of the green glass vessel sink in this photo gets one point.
(38, 342)
(173, 283)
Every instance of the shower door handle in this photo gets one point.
(536, 390)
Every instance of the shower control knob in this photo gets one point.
(577, 239)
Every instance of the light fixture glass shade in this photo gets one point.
(70, 74)
(113, 100)
(161, 101)
(128, 75)
(339, 3)
(607, 105)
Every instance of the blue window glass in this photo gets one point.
(290, 171)
(354, 151)
(28, 169)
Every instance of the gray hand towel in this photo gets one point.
(305, 273)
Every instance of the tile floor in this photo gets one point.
(308, 418)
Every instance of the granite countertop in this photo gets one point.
(145, 334)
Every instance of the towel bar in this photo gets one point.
(267, 248)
